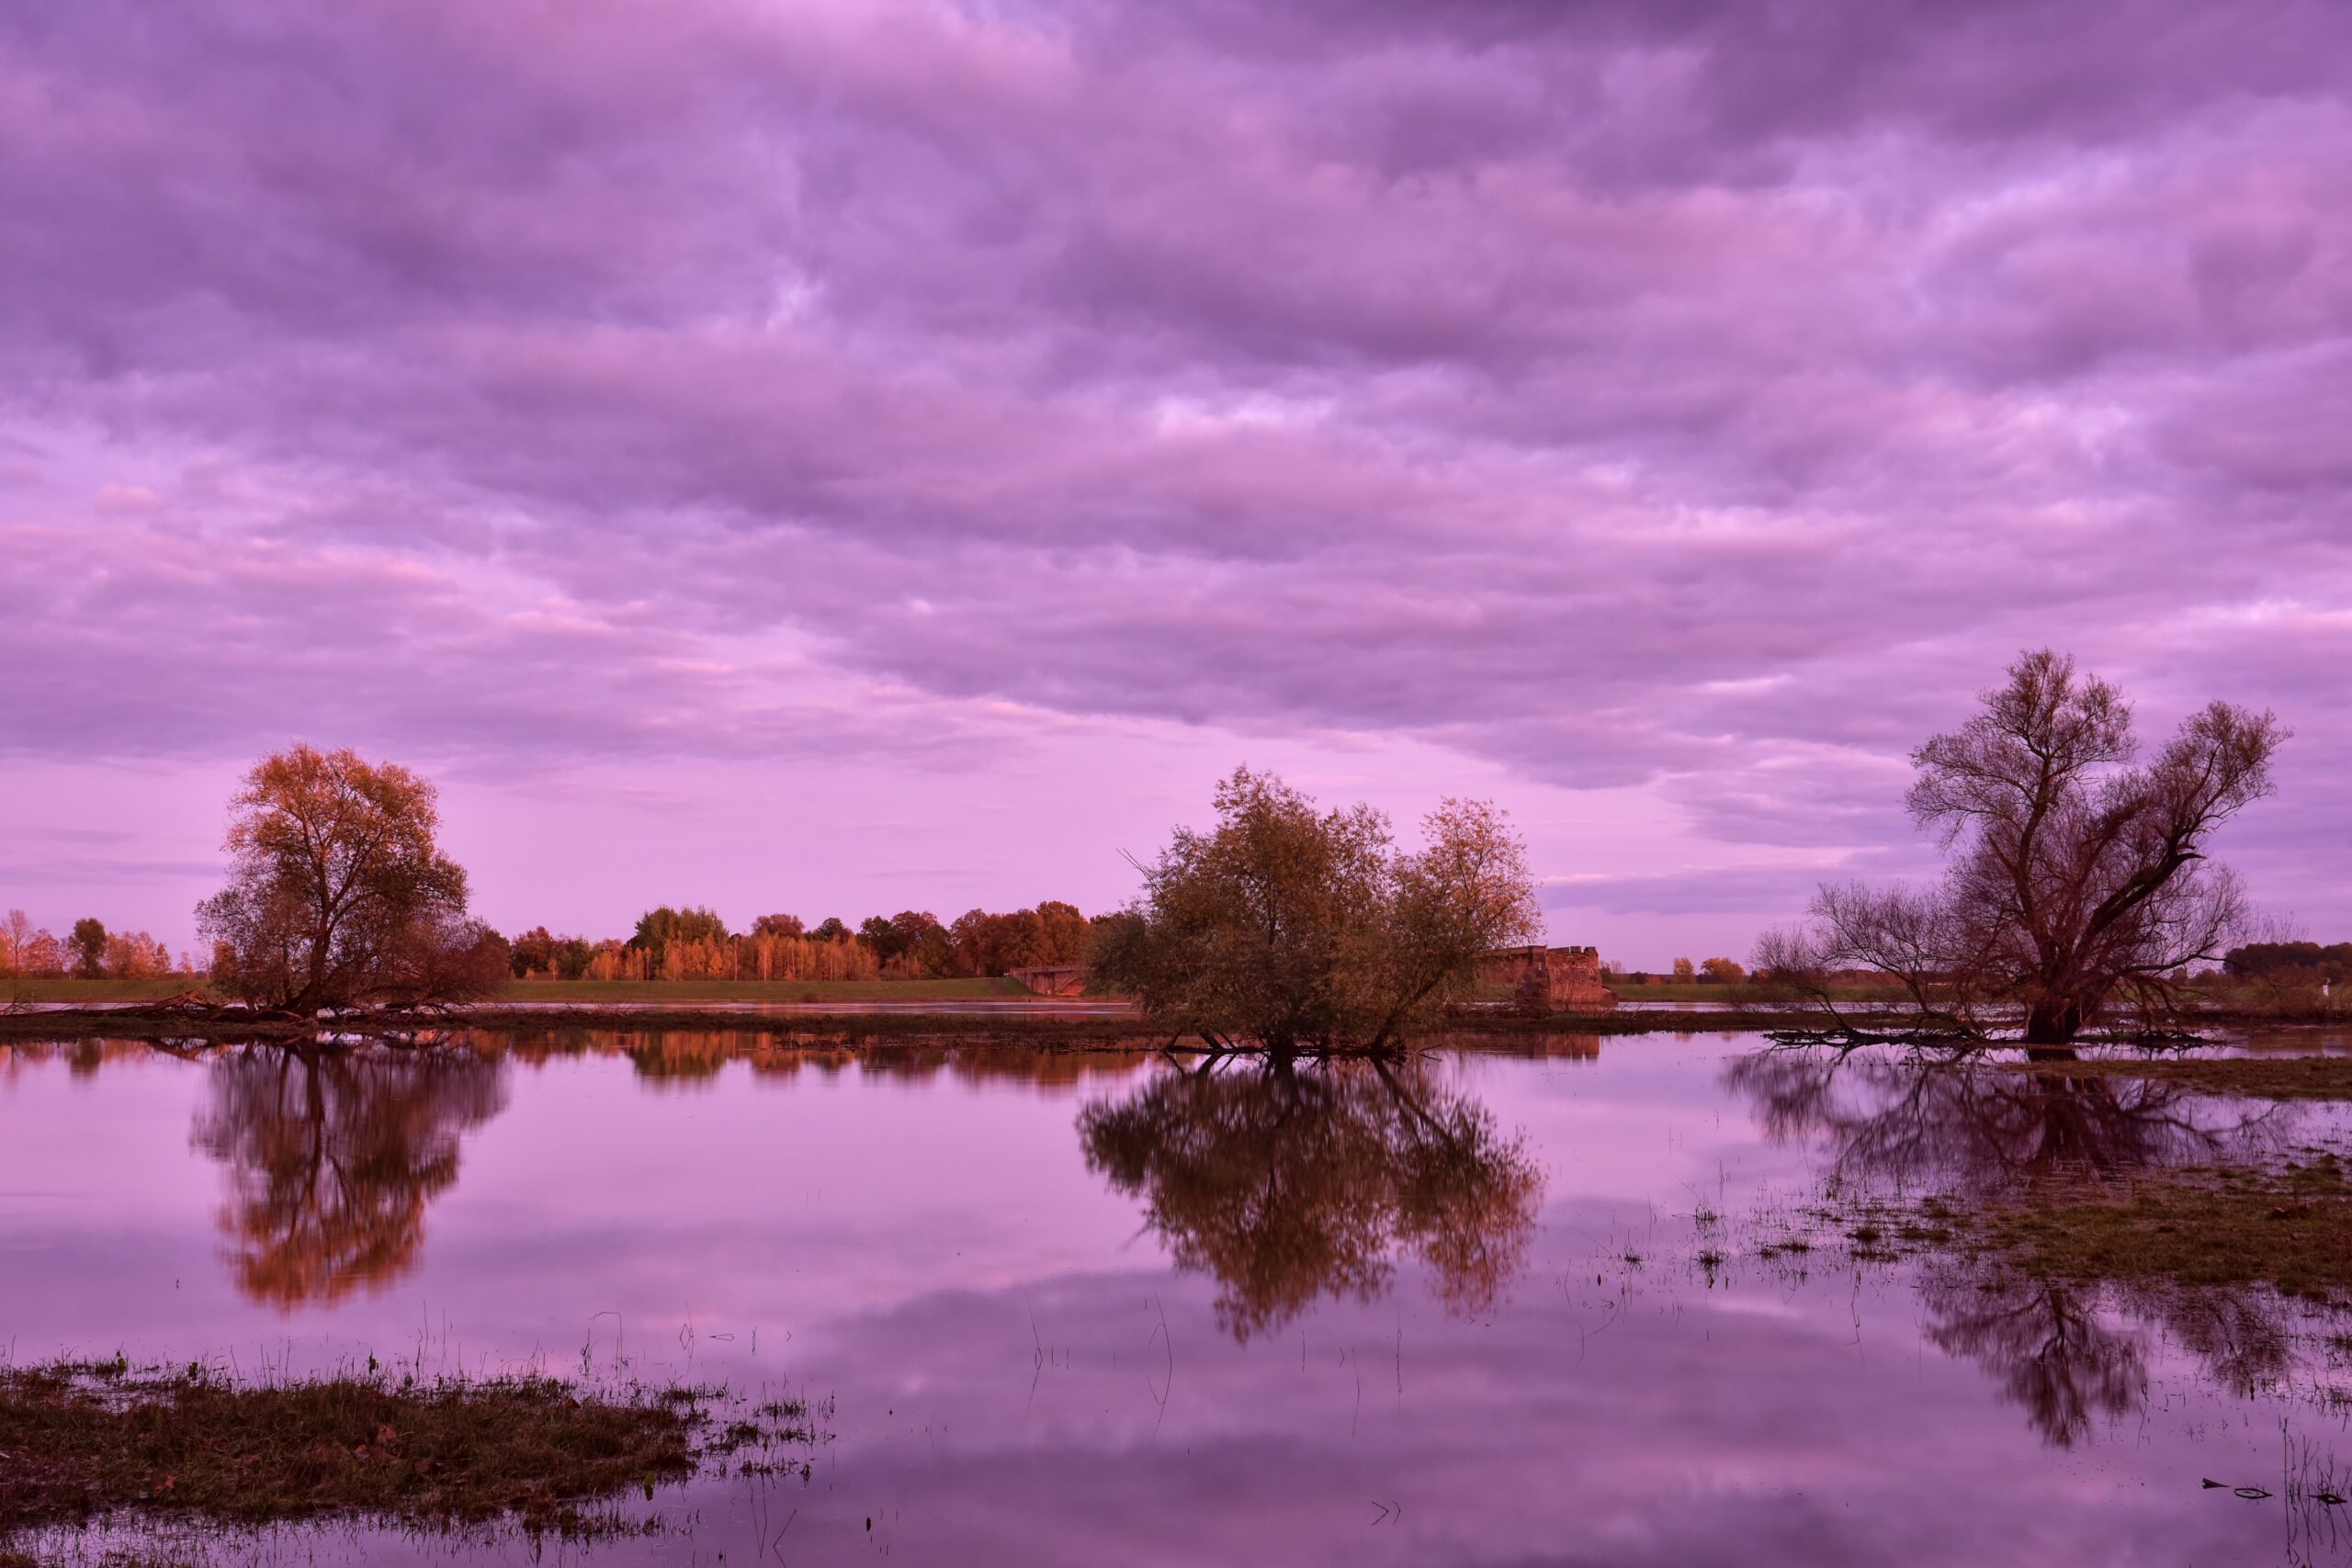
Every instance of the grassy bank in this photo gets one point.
(2287, 1227)
(57, 989)
(2280, 1220)
(91, 1441)
(589, 993)
(847, 1027)
(575, 993)
(2258, 1077)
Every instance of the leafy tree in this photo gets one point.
(540, 951)
(985, 943)
(831, 929)
(2079, 879)
(337, 894)
(657, 928)
(778, 925)
(534, 953)
(2333, 962)
(1062, 931)
(26, 949)
(879, 934)
(572, 956)
(1683, 971)
(89, 947)
(1721, 972)
(1290, 927)
(135, 955)
(922, 943)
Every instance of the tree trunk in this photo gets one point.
(2052, 1021)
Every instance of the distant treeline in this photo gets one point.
(688, 943)
(693, 943)
(2333, 963)
(1706, 972)
(89, 952)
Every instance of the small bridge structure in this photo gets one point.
(1052, 979)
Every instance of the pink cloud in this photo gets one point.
(1703, 400)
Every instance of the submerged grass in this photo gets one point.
(82, 1442)
(2290, 1228)
(588, 993)
(2258, 1077)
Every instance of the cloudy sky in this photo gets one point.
(848, 455)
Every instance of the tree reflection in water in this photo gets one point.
(1989, 1130)
(1285, 1183)
(332, 1156)
(2068, 1352)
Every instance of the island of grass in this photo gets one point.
(2280, 1220)
(84, 1442)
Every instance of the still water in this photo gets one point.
(1525, 1307)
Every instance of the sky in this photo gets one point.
(858, 454)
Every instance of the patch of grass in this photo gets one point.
(63, 988)
(2288, 1227)
(588, 993)
(2291, 1228)
(1742, 994)
(2261, 1077)
(88, 1439)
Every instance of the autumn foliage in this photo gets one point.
(338, 895)
(695, 943)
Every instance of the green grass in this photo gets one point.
(90, 1440)
(1743, 994)
(576, 993)
(2256, 1078)
(2284, 1226)
(588, 993)
(52, 988)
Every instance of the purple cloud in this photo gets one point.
(1699, 402)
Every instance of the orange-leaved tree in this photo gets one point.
(338, 896)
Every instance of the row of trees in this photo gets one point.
(1706, 972)
(89, 952)
(2290, 960)
(695, 943)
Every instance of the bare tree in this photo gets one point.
(2079, 881)
(337, 895)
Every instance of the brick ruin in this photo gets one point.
(1548, 980)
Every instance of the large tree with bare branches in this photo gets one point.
(2079, 879)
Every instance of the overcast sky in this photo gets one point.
(854, 454)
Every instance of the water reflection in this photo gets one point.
(1285, 1183)
(333, 1157)
(2066, 1352)
(2053, 1353)
(1990, 1128)
(694, 1058)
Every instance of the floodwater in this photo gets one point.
(1511, 1307)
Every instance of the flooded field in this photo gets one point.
(1572, 1301)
